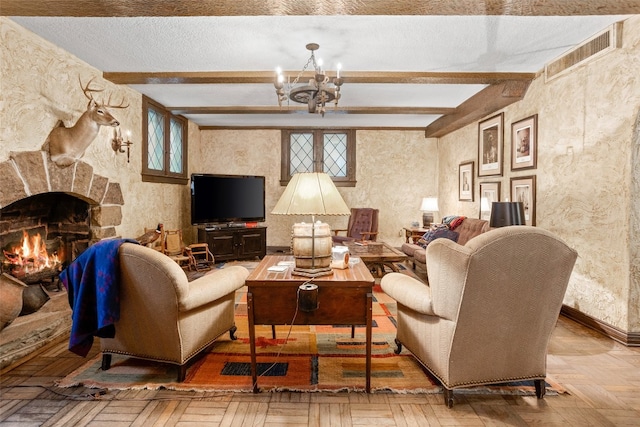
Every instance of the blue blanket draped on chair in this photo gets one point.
(92, 285)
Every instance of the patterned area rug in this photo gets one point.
(300, 358)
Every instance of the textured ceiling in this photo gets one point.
(382, 59)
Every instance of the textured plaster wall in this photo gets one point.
(394, 171)
(587, 160)
(634, 287)
(39, 86)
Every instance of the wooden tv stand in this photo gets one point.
(235, 243)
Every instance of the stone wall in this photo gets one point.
(39, 88)
(29, 173)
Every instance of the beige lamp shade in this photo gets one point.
(428, 207)
(311, 193)
(429, 204)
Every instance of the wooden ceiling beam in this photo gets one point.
(304, 110)
(350, 77)
(486, 102)
(129, 8)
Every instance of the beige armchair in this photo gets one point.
(489, 310)
(163, 316)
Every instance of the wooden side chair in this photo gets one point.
(200, 257)
(175, 248)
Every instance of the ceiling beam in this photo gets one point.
(263, 127)
(304, 110)
(488, 101)
(245, 77)
(124, 8)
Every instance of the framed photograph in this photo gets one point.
(489, 193)
(490, 143)
(523, 189)
(465, 183)
(524, 143)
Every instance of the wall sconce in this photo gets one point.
(117, 143)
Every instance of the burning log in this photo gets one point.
(30, 261)
(37, 276)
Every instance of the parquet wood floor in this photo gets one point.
(601, 376)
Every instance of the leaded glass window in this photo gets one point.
(164, 154)
(332, 152)
(301, 153)
(335, 154)
(175, 147)
(155, 140)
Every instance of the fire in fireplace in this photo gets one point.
(41, 234)
(31, 261)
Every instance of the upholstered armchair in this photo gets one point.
(163, 316)
(489, 310)
(362, 225)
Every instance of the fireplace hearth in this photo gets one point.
(70, 208)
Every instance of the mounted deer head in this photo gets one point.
(66, 145)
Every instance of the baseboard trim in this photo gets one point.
(631, 339)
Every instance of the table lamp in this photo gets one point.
(428, 207)
(311, 193)
(506, 213)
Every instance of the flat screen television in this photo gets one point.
(218, 199)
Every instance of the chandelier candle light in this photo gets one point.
(311, 194)
(317, 93)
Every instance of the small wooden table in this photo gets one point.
(414, 234)
(345, 298)
(386, 255)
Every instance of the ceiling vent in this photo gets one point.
(596, 46)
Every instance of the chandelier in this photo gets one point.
(317, 92)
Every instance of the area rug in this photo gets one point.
(299, 358)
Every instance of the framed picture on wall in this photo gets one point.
(523, 189)
(524, 143)
(490, 143)
(465, 181)
(489, 193)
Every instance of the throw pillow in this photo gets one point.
(422, 242)
(456, 222)
(447, 219)
(440, 233)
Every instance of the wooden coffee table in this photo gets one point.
(378, 256)
(344, 298)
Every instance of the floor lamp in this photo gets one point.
(312, 194)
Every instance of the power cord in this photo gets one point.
(96, 395)
(295, 314)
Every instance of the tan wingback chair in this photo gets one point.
(163, 316)
(489, 310)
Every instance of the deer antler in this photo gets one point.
(89, 89)
(86, 88)
(121, 105)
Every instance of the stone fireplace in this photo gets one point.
(70, 208)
